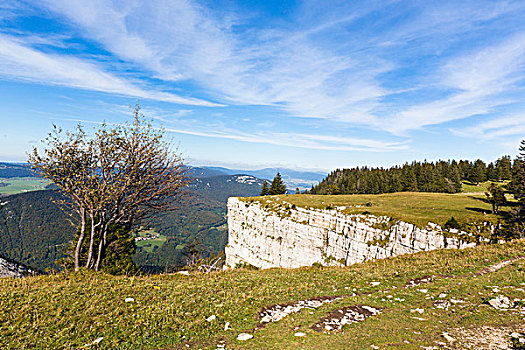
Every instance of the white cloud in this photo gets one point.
(298, 140)
(178, 40)
(477, 83)
(21, 62)
(494, 128)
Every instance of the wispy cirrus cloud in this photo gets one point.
(297, 140)
(475, 84)
(19, 61)
(495, 128)
(180, 40)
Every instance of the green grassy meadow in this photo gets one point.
(69, 311)
(414, 207)
(150, 244)
(22, 184)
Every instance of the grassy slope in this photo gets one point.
(414, 207)
(68, 311)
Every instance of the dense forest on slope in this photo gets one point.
(36, 232)
(440, 176)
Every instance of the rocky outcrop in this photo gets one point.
(285, 236)
(9, 268)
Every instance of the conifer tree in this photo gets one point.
(264, 190)
(297, 190)
(277, 186)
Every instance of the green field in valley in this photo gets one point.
(16, 185)
(151, 240)
(174, 311)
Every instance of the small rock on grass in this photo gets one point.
(244, 336)
(448, 337)
(129, 300)
(299, 334)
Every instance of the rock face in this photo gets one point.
(9, 268)
(293, 237)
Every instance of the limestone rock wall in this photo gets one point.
(295, 237)
(10, 268)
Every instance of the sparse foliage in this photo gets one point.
(496, 197)
(117, 177)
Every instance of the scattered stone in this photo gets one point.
(442, 304)
(278, 312)
(374, 346)
(227, 326)
(244, 336)
(375, 283)
(96, 341)
(266, 319)
(419, 318)
(211, 318)
(185, 273)
(448, 337)
(442, 295)
(129, 300)
(299, 334)
(423, 290)
(336, 319)
(417, 310)
(500, 302)
(417, 281)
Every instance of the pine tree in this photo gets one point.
(504, 168)
(477, 172)
(277, 186)
(264, 190)
(297, 190)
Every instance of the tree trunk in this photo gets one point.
(80, 239)
(91, 243)
(101, 247)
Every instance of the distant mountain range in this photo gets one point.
(292, 178)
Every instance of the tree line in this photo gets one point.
(441, 176)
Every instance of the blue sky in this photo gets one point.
(300, 84)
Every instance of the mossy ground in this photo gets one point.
(67, 311)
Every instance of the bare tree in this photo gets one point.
(121, 175)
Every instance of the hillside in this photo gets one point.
(461, 299)
(34, 231)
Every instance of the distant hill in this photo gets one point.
(292, 178)
(8, 170)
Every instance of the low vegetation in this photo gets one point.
(413, 207)
(170, 311)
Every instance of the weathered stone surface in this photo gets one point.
(266, 238)
(10, 268)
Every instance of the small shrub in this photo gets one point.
(452, 223)
(245, 265)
